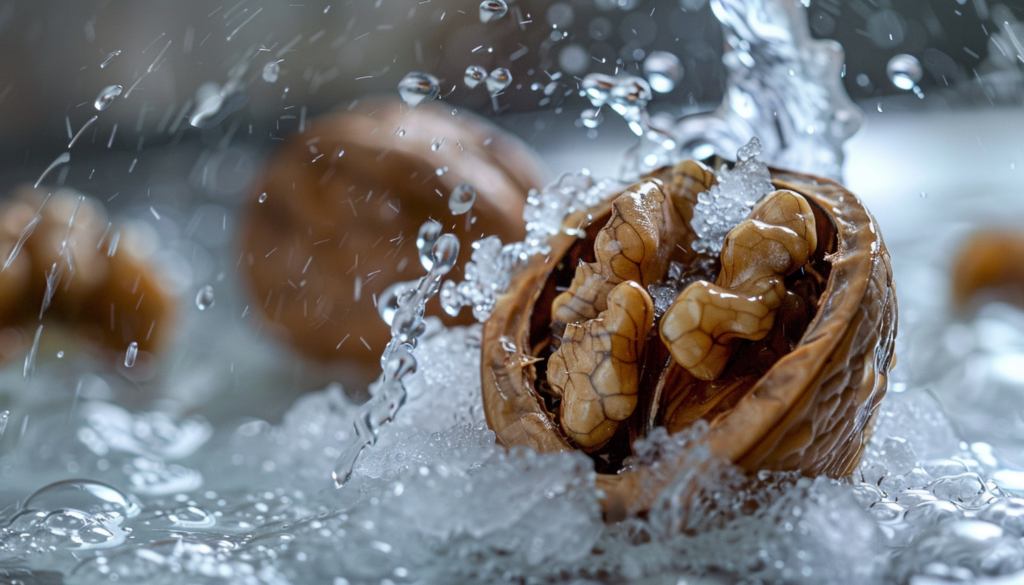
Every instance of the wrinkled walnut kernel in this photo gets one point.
(701, 326)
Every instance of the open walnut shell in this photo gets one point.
(802, 397)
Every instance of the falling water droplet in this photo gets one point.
(498, 80)
(474, 75)
(60, 160)
(131, 354)
(416, 88)
(109, 57)
(5, 417)
(430, 231)
(263, 197)
(462, 198)
(492, 10)
(271, 71)
(387, 303)
(209, 99)
(904, 71)
(591, 117)
(663, 71)
(204, 298)
(106, 97)
(445, 252)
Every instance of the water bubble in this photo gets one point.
(262, 197)
(445, 252)
(106, 97)
(131, 354)
(663, 71)
(204, 298)
(91, 497)
(461, 199)
(492, 10)
(416, 88)
(271, 71)
(591, 117)
(474, 75)
(429, 232)
(498, 80)
(904, 71)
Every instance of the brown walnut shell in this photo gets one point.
(990, 264)
(808, 406)
(110, 295)
(344, 202)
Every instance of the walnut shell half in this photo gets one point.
(803, 398)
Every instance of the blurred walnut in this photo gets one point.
(990, 264)
(785, 355)
(344, 202)
(64, 263)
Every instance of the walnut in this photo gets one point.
(990, 264)
(86, 275)
(344, 202)
(785, 355)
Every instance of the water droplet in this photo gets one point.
(436, 145)
(60, 354)
(492, 10)
(263, 197)
(387, 303)
(474, 75)
(445, 252)
(106, 97)
(904, 71)
(106, 61)
(416, 88)
(462, 199)
(400, 364)
(663, 71)
(271, 71)
(204, 298)
(591, 117)
(429, 232)
(749, 150)
(131, 354)
(209, 99)
(5, 417)
(498, 80)
(91, 497)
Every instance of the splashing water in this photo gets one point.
(416, 88)
(663, 71)
(131, 355)
(271, 71)
(783, 86)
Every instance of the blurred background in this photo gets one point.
(59, 54)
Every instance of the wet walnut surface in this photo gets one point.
(990, 264)
(785, 353)
(93, 278)
(344, 202)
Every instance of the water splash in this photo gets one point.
(271, 71)
(783, 86)
(498, 80)
(904, 71)
(663, 71)
(106, 61)
(407, 326)
(82, 130)
(60, 160)
(205, 298)
(131, 355)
